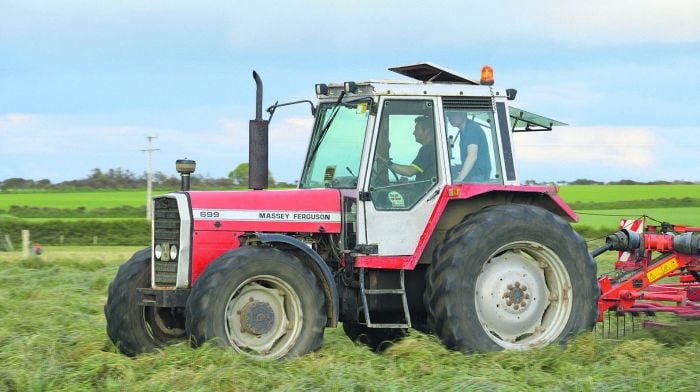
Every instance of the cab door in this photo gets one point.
(404, 175)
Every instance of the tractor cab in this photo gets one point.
(399, 143)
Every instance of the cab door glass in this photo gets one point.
(472, 146)
(404, 166)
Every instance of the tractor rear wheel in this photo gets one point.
(510, 277)
(134, 328)
(263, 302)
(377, 339)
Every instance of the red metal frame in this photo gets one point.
(457, 192)
(640, 292)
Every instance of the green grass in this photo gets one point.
(53, 338)
(689, 216)
(606, 193)
(88, 199)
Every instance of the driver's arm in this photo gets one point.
(469, 162)
(406, 170)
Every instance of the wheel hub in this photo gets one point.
(516, 296)
(257, 318)
(511, 296)
(263, 317)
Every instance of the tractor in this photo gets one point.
(409, 213)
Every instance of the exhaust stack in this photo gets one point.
(258, 141)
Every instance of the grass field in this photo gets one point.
(109, 199)
(53, 338)
(605, 218)
(610, 219)
(89, 200)
(606, 193)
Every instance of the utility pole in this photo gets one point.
(149, 175)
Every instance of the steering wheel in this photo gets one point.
(386, 163)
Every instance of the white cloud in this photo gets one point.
(598, 145)
(411, 24)
(362, 24)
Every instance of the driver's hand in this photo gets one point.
(384, 161)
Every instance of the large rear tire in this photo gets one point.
(510, 277)
(262, 302)
(136, 329)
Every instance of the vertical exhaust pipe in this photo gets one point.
(257, 143)
(185, 167)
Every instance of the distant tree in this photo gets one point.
(17, 183)
(44, 184)
(585, 181)
(625, 182)
(239, 175)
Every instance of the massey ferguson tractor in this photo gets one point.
(409, 213)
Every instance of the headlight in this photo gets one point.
(158, 251)
(173, 252)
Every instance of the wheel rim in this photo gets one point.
(263, 317)
(523, 296)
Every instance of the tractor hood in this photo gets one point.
(278, 211)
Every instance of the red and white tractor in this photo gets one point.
(409, 213)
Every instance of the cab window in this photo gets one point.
(404, 166)
(473, 147)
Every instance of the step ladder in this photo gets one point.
(400, 291)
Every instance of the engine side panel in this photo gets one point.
(221, 218)
(285, 211)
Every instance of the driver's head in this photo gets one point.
(423, 130)
(457, 119)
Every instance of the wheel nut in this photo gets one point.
(523, 304)
(517, 284)
(516, 307)
(523, 288)
(509, 302)
(510, 287)
(527, 296)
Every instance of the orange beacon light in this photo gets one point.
(486, 76)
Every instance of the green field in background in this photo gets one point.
(689, 216)
(87, 199)
(109, 199)
(606, 193)
(571, 194)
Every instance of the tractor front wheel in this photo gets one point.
(133, 328)
(263, 302)
(511, 277)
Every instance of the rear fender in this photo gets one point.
(319, 267)
(457, 210)
(456, 203)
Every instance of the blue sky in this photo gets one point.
(82, 83)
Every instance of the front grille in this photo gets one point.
(166, 230)
(482, 103)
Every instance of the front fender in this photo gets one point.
(319, 268)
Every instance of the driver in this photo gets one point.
(424, 166)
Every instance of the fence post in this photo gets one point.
(9, 243)
(25, 244)
(94, 240)
(60, 239)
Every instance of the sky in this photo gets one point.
(83, 83)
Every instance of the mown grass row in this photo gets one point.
(53, 338)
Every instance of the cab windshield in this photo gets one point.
(334, 155)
